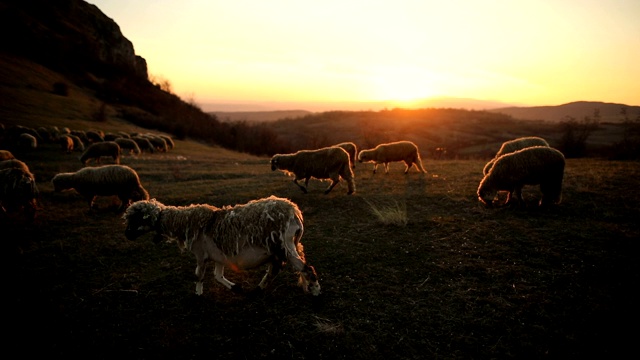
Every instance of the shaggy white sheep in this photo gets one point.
(265, 231)
(352, 150)
(513, 145)
(107, 180)
(529, 166)
(397, 151)
(326, 163)
(99, 149)
(18, 190)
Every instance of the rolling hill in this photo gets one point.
(608, 112)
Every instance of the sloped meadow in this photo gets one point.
(411, 266)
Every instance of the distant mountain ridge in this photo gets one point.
(608, 112)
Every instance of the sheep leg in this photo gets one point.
(272, 271)
(304, 189)
(334, 182)
(124, 201)
(386, 168)
(201, 269)
(407, 165)
(219, 275)
(91, 199)
(375, 167)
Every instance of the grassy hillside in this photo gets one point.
(451, 280)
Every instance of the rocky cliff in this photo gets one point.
(71, 36)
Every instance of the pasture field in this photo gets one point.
(450, 280)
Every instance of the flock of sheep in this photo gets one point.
(265, 231)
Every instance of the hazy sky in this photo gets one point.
(528, 52)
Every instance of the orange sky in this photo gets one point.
(526, 52)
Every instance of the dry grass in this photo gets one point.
(390, 213)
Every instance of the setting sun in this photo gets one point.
(401, 85)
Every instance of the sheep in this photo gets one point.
(14, 164)
(143, 143)
(326, 163)
(158, 143)
(513, 145)
(264, 231)
(397, 151)
(78, 144)
(352, 150)
(99, 149)
(27, 141)
(169, 141)
(94, 136)
(529, 166)
(6, 155)
(129, 145)
(66, 143)
(18, 190)
(111, 137)
(105, 180)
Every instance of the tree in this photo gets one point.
(574, 136)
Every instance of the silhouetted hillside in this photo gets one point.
(68, 52)
(608, 112)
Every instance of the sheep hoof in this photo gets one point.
(350, 192)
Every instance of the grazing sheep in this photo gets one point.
(158, 143)
(18, 190)
(352, 150)
(105, 180)
(129, 146)
(14, 164)
(513, 145)
(66, 143)
(99, 149)
(6, 155)
(326, 163)
(529, 166)
(82, 135)
(265, 231)
(111, 137)
(143, 143)
(397, 151)
(45, 134)
(27, 142)
(78, 144)
(94, 136)
(169, 141)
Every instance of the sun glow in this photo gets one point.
(402, 85)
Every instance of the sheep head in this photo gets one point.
(274, 163)
(487, 195)
(364, 156)
(141, 217)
